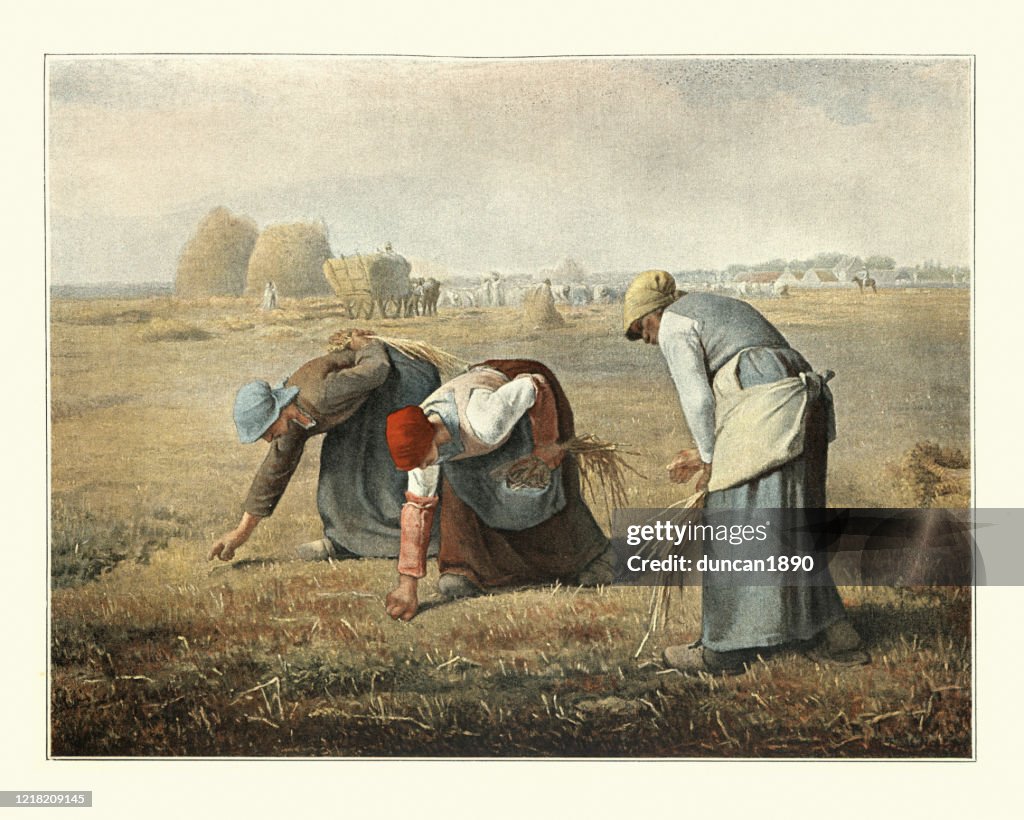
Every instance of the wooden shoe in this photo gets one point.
(319, 550)
(840, 645)
(452, 586)
(691, 660)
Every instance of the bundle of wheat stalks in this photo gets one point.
(448, 365)
(600, 462)
(688, 511)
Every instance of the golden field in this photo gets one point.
(155, 651)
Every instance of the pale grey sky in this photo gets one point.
(480, 164)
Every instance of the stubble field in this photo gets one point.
(155, 651)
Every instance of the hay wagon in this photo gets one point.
(366, 283)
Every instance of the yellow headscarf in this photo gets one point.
(650, 290)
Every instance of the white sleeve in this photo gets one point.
(680, 343)
(423, 482)
(493, 414)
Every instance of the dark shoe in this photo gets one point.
(691, 660)
(599, 571)
(453, 586)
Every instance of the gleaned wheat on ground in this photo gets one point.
(156, 651)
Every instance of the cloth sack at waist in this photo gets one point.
(761, 427)
(498, 505)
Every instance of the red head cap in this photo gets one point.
(410, 435)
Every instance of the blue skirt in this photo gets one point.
(746, 617)
(361, 492)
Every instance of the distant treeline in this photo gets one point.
(927, 271)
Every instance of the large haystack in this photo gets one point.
(291, 256)
(214, 261)
(539, 311)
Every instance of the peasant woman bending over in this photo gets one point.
(457, 444)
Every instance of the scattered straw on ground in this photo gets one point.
(172, 330)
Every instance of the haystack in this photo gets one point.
(291, 256)
(539, 311)
(214, 261)
(930, 475)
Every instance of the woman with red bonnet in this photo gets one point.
(495, 532)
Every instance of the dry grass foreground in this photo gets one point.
(165, 654)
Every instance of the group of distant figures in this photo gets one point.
(425, 294)
(768, 290)
(493, 291)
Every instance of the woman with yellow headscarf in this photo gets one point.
(761, 421)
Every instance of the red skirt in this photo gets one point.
(556, 549)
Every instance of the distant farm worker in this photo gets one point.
(762, 422)
(269, 297)
(495, 531)
(346, 395)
